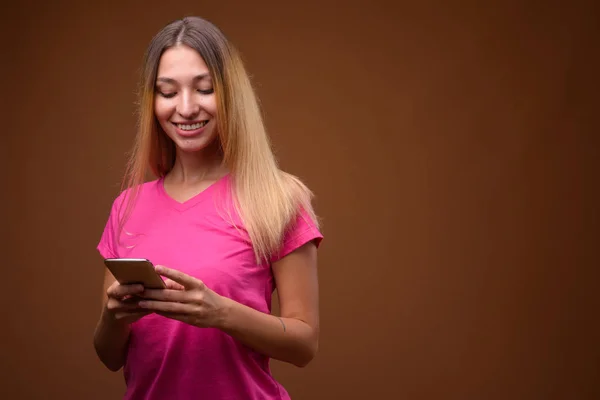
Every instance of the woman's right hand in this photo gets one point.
(122, 303)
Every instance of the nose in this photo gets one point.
(187, 107)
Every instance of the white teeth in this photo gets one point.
(192, 127)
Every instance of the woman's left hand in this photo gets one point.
(186, 299)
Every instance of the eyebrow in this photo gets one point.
(173, 81)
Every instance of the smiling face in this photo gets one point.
(185, 104)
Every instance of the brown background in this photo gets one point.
(453, 149)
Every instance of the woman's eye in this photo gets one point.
(167, 95)
(206, 91)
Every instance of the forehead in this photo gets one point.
(181, 62)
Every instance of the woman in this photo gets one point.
(224, 227)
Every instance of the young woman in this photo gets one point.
(224, 227)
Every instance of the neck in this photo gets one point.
(191, 168)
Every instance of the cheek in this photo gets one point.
(162, 110)
(210, 105)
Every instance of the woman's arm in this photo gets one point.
(110, 341)
(112, 330)
(294, 337)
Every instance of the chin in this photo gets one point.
(188, 147)
(193, 145)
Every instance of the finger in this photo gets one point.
(132, 313)
(186, 281)
(166, 306)
(130, 299)
(173, 285)
(170, 315)
(129, 314)
(118, 306)
(165, 295)
(124, 290)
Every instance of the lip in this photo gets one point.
(192, 133)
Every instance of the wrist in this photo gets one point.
(224, 315)
(109, 318)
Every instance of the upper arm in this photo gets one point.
(107, 246)
(297, 284)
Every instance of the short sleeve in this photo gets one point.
(107, 247)
(302, 231)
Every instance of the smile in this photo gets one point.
(191, 127)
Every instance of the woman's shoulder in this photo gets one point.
(138, 192)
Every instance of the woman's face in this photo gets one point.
(185, 104)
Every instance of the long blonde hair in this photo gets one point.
(267, 199)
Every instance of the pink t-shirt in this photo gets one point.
(168, 359)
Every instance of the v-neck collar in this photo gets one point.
(192, 201)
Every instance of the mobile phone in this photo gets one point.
(129, 271)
